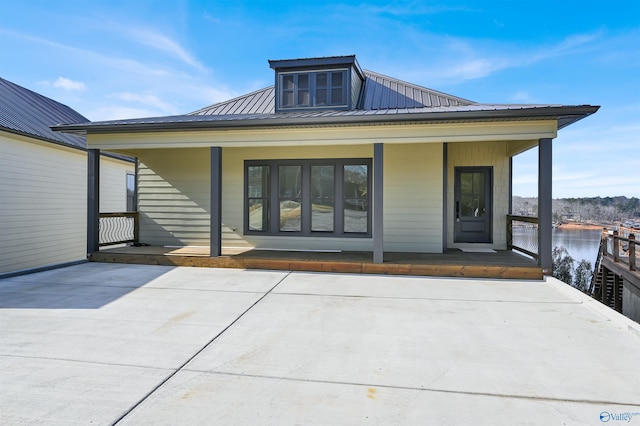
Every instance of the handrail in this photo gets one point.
(617, 248)
(510, 243)
(119, 228)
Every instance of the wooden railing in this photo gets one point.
(119, 228)
(623, 249)
(526, 240)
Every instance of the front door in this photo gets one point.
(473, 204)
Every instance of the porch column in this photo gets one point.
(545, 215)
(378, 222)
(93, 201)
(215, 244)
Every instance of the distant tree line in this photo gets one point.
(595, 209)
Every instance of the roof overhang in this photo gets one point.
(565, 115)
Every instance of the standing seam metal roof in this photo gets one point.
(26, 112)
(380, 92)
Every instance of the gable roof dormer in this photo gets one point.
(328, 83)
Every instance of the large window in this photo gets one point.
(308, 197)
(313, 89)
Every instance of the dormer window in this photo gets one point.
(317, 83)
(313, 89)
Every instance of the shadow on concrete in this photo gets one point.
(87, 286)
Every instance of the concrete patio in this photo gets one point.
(106, 343)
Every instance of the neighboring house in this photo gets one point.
(334, 157)
(43, 183)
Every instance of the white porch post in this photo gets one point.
(378, 222)
(93, 200)
(545, 215)
(215, 244)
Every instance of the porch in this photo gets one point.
(501, 264)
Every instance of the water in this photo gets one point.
(580, 243)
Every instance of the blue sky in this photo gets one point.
(126, 59)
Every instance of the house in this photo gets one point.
(43, 183)
(334, 157)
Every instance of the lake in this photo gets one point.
(580, 243)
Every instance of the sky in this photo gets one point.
(130, 59)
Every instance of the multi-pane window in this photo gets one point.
(308, 197)
(313, 89)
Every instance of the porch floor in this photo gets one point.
(455, 263)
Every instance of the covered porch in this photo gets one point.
(498, 264)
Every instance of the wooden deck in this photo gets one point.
(455, 263)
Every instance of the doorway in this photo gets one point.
(473, 204)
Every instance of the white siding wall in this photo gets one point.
(483, 154)
(43, 204)
(413, 198)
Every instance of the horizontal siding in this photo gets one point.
(173, 196)
(43, 208)
(413, 198)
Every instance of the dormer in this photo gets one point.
(317, 83)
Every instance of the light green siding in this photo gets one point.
(413, 198)
(173, 196)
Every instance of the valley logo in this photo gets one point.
(606, 416)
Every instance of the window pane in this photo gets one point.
(321, 96)
(258, 214)
(303, 98)
(287, 99)
(355, 181)
(258, 181)
(289, 181)
(355, 215)
(287, 82)
(321, 80)
(290, 213)
(336, 79)
(336, 97)
(322, 182)
(322, 214)
(303, 81)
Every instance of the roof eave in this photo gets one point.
(566, 115)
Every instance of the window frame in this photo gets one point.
(273, 220)
(312, 89)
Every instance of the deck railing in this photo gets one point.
(119, 228)
(522, 234)
(623, 249)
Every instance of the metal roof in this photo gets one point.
(383, 100)
(380, 92)
(28, 113)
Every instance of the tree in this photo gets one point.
(583, 275)
(562, 265)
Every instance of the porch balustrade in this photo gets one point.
(119, 228)
(522, 234)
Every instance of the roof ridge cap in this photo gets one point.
(230, 100)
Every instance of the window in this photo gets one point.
(308, 197)
(131, 192)
(313, 89)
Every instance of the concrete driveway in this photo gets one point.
(105, 343)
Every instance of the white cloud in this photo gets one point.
(68, 84)
(165, 44)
